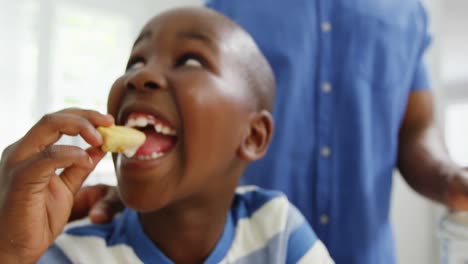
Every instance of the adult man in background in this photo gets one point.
(352, 104)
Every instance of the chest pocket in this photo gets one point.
(383, 44)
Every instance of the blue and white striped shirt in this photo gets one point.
(262, 227)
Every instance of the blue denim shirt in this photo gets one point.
(344, 71)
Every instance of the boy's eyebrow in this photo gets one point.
(197, 35)
(188, 34)
(144, 35)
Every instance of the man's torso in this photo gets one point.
(344, 71)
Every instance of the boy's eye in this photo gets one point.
(135, 65)
(190, 61)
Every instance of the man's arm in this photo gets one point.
(423, 158)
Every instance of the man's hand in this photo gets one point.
(99, 202)
(36, 200)
(457, 192)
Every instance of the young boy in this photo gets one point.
(199, 88)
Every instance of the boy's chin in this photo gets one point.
(141, 202)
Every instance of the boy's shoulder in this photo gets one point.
(84, 242)
(269, 229)
(251, 200)
(266, 213)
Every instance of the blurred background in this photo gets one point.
(63, 53)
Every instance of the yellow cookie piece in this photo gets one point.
(121, 139)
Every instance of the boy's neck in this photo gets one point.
(196, 228)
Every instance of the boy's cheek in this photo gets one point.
(115, 96)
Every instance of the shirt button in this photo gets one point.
(324, 219)
(325, 152)
(326, 27)
(326, 87)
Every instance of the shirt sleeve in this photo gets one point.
(303, 244)
(421, 78)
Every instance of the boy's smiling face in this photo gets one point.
(184, 88)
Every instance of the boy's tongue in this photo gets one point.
(155, 142)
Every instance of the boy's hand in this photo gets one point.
(35, 202)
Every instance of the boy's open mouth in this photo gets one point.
(161, 136)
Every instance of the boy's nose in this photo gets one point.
(146, 80)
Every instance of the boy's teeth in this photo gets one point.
(153, 155)
(158, 128)
(156, 155)
(131, 123)
(164, 130)
(141, 122)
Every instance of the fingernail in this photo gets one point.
(110, 117)
(98, 135)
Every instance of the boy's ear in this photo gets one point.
(255, 143)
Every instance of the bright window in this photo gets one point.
(456, 131)
(19, 53)
(91, 49)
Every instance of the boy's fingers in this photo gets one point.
(49, 130)
(42, 166)
(6, 152)
(74, 176)
(71, 121)
(96, 118)
(96, 154)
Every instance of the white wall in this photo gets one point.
(414, 225)
(454, 41)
